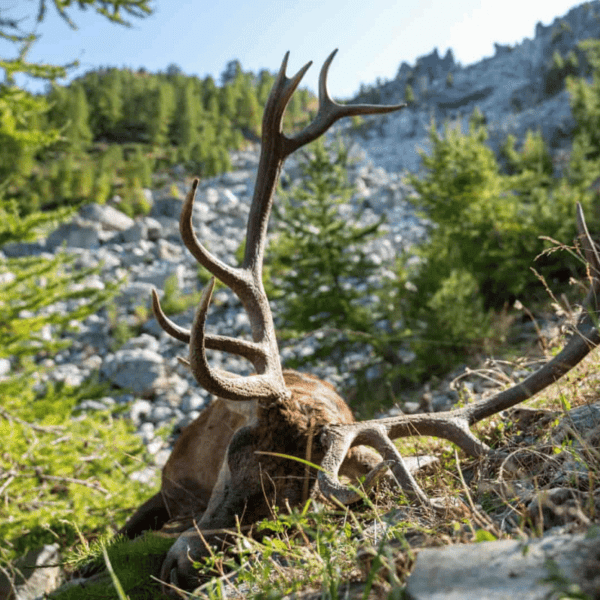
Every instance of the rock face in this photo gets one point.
(516, 89)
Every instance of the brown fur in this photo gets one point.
(191, 472)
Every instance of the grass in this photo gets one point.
(367, 551)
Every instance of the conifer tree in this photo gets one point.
(78, 131)
(162, 108)
(109, 109)
(317, 259)
(187, 121)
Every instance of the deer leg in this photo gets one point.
(153, 514)
(238, 494)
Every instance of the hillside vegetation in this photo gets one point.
(116, 128)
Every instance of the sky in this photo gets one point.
(373, 36)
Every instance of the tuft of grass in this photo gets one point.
(63, 478)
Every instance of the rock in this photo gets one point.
(137, 292)
(555, 507)
(33, 576)
(153, 228)
(4, 366)
(106, 216)
(155, 446)
(136, 233)
(582, 419)
(147, 475)
(161, 414)
(146, 431)
(6, 277)
(77, 234)
(193, 402)
(506, 569)
(165, 250)
(156, 274)
(139, 412)
(166, 207)
(138, 370)
(144, 341)
(70, 374)
(20, 249)
(93, 405)
(137, 254)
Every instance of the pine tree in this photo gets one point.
(77, 130)
(162, 109)
(109, 109)
(317, 259)
(185, 126)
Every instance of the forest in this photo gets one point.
(115, 128)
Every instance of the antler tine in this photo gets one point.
(236, 279)
(329, 112)
(339, 439)
(258, 387)
(283, 89)
(248, 350)
(179, 333)
(452, 425)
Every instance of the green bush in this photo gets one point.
(62, 478)
(484, 239)
(488, 223)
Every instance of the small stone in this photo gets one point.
(139, 411)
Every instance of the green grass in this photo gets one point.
(63, 478)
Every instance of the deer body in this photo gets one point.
(235, 461)
(198, 468)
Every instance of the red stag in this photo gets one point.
(222, 467)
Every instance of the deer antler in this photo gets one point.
(455, 425)
(246, 281)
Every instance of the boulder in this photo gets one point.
(76, 234)
(108, 217)
(33, 576)
(507, 569)
(139, 370)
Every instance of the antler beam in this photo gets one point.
(246, 280)
(454, 425)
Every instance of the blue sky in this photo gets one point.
(373, 36)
